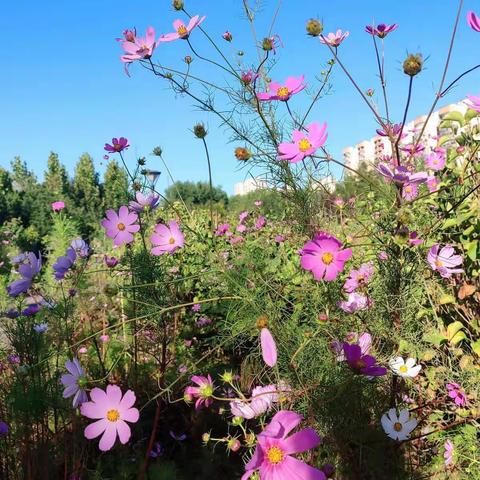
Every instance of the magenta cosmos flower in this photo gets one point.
(120, 226)
(182, 31)
(273, 456)
(304, 143)
(381, 30)
(359, 278)
(112, 413)
(400, 175)
(473, 21)
(435, 161)
(324, 257)
(360, 363)
(74, 383)
(57, 206)
(138, 48)
(444, 260)
(203, 392)
(457, 394)
(118, 145)
(334, 39)
(166, 239)
(276, 91)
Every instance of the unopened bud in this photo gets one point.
(177, 4)
(206, 437)
(413, 64)
(242, 154)
(157, 151)
(314, 27)
(199, 130)
(188, 59)
(227, 36)
(234, 444)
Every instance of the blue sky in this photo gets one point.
(63, 87)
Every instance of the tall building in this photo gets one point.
(370, 151)
(249, 185)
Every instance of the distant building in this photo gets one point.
(370, 151)
(249, 185)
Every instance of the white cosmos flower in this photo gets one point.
(405, 368)
(398, 427)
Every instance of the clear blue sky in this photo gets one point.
(63, 87)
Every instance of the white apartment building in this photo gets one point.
(370, 151)
(249, 185)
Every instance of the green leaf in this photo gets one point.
(476, 347)
(446, 298)
(450, 222)
(454, 333)
(469, 114)
(472, 250)
(434, 337)
(455, 117)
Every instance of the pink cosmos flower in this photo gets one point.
(203, 392)
(222, 229)
(111, 412)
(473, 21)
(360, 363)
(359, 278)
(392, 130)
(120, 226)
(355, 302)
(363, 340)
(413, 149)
(433, 184)
(74, 383)
(457, 394)
(261, 222)
(142, 202)
(400, 174)
(334, 39)
(323, 256)
(241, 228)
(258, 203)
(118, 145)
(269, 347)
(248, 76)
(167, 239)
(448, 445)
(182, 31)
(57, 206)
(435, 161)
(276, 91)
(273, 456)
(304, 144)
(445, 260)
(413, 239)
(279, 238)
(261, 401)
(382, 30)
(410, 191)
(475, 103)
(137, 48)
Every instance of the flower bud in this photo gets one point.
(234, 444)
(370, 92)
(268, 43)
(206, 437)
(413, 64)
(242, 154)
(314, 27)
(227, 36)
(136, 186)
(141, 161)
(157, 151)
(177, 4)
(188, 59)
(322, 317)
(237, 421)
(250, 439)
(199, 130)
(227, 377)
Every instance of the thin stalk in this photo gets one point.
(382, 75)
(405, 113)
(209, 180)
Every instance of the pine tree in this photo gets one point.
(115, 186)
(56, 178)
(87, 205)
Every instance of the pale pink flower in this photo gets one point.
(182, 31)
(284, 92)
(444, 260)
(334, 39)
(167, 239)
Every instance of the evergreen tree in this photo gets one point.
(195, 193)
(56, 178)
(115, 186)
(87, 205)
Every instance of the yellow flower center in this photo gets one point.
(182, 30)
(274, 455)
(113, 415)
(408, 189)
(438, 263)
(117, 147)
(327, 258)
(283, 92)
(206, 391)
(304, 145)
(403, 369)
(397, 426)
(121, 226)
(360, 364)
(171, 241)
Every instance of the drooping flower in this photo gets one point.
(111, 411)
(28, 267)
(137, 48)
(474, 21)
(203, 322)
(381, 30)
(273, 455)
(31, 310)
(444, 260)
(118, 145)
(182, 31)
(304, 143)
(269, 347)
(57, 206)
(334, 39)
(401, 174)
(448, 445)
(81, 247)
(410, 191)
(391, 130)
(74, 382)
(64, 264)
(324, 256)
(404, 368)
(360, 363)
(413, 148)
(121, 226)
(435, 161)
(355, 303)
(203, 392)
(110, 262)
(457, 394)
(167, 239)
(398, 427)
(359, 278)
(142, 202)
(261, 401)
(248, 77)
(277, 91)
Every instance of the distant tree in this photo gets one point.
(115, 186)
(6, 196)
(273, 203)
(195, 193)
(56, 178)
(87, 204)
